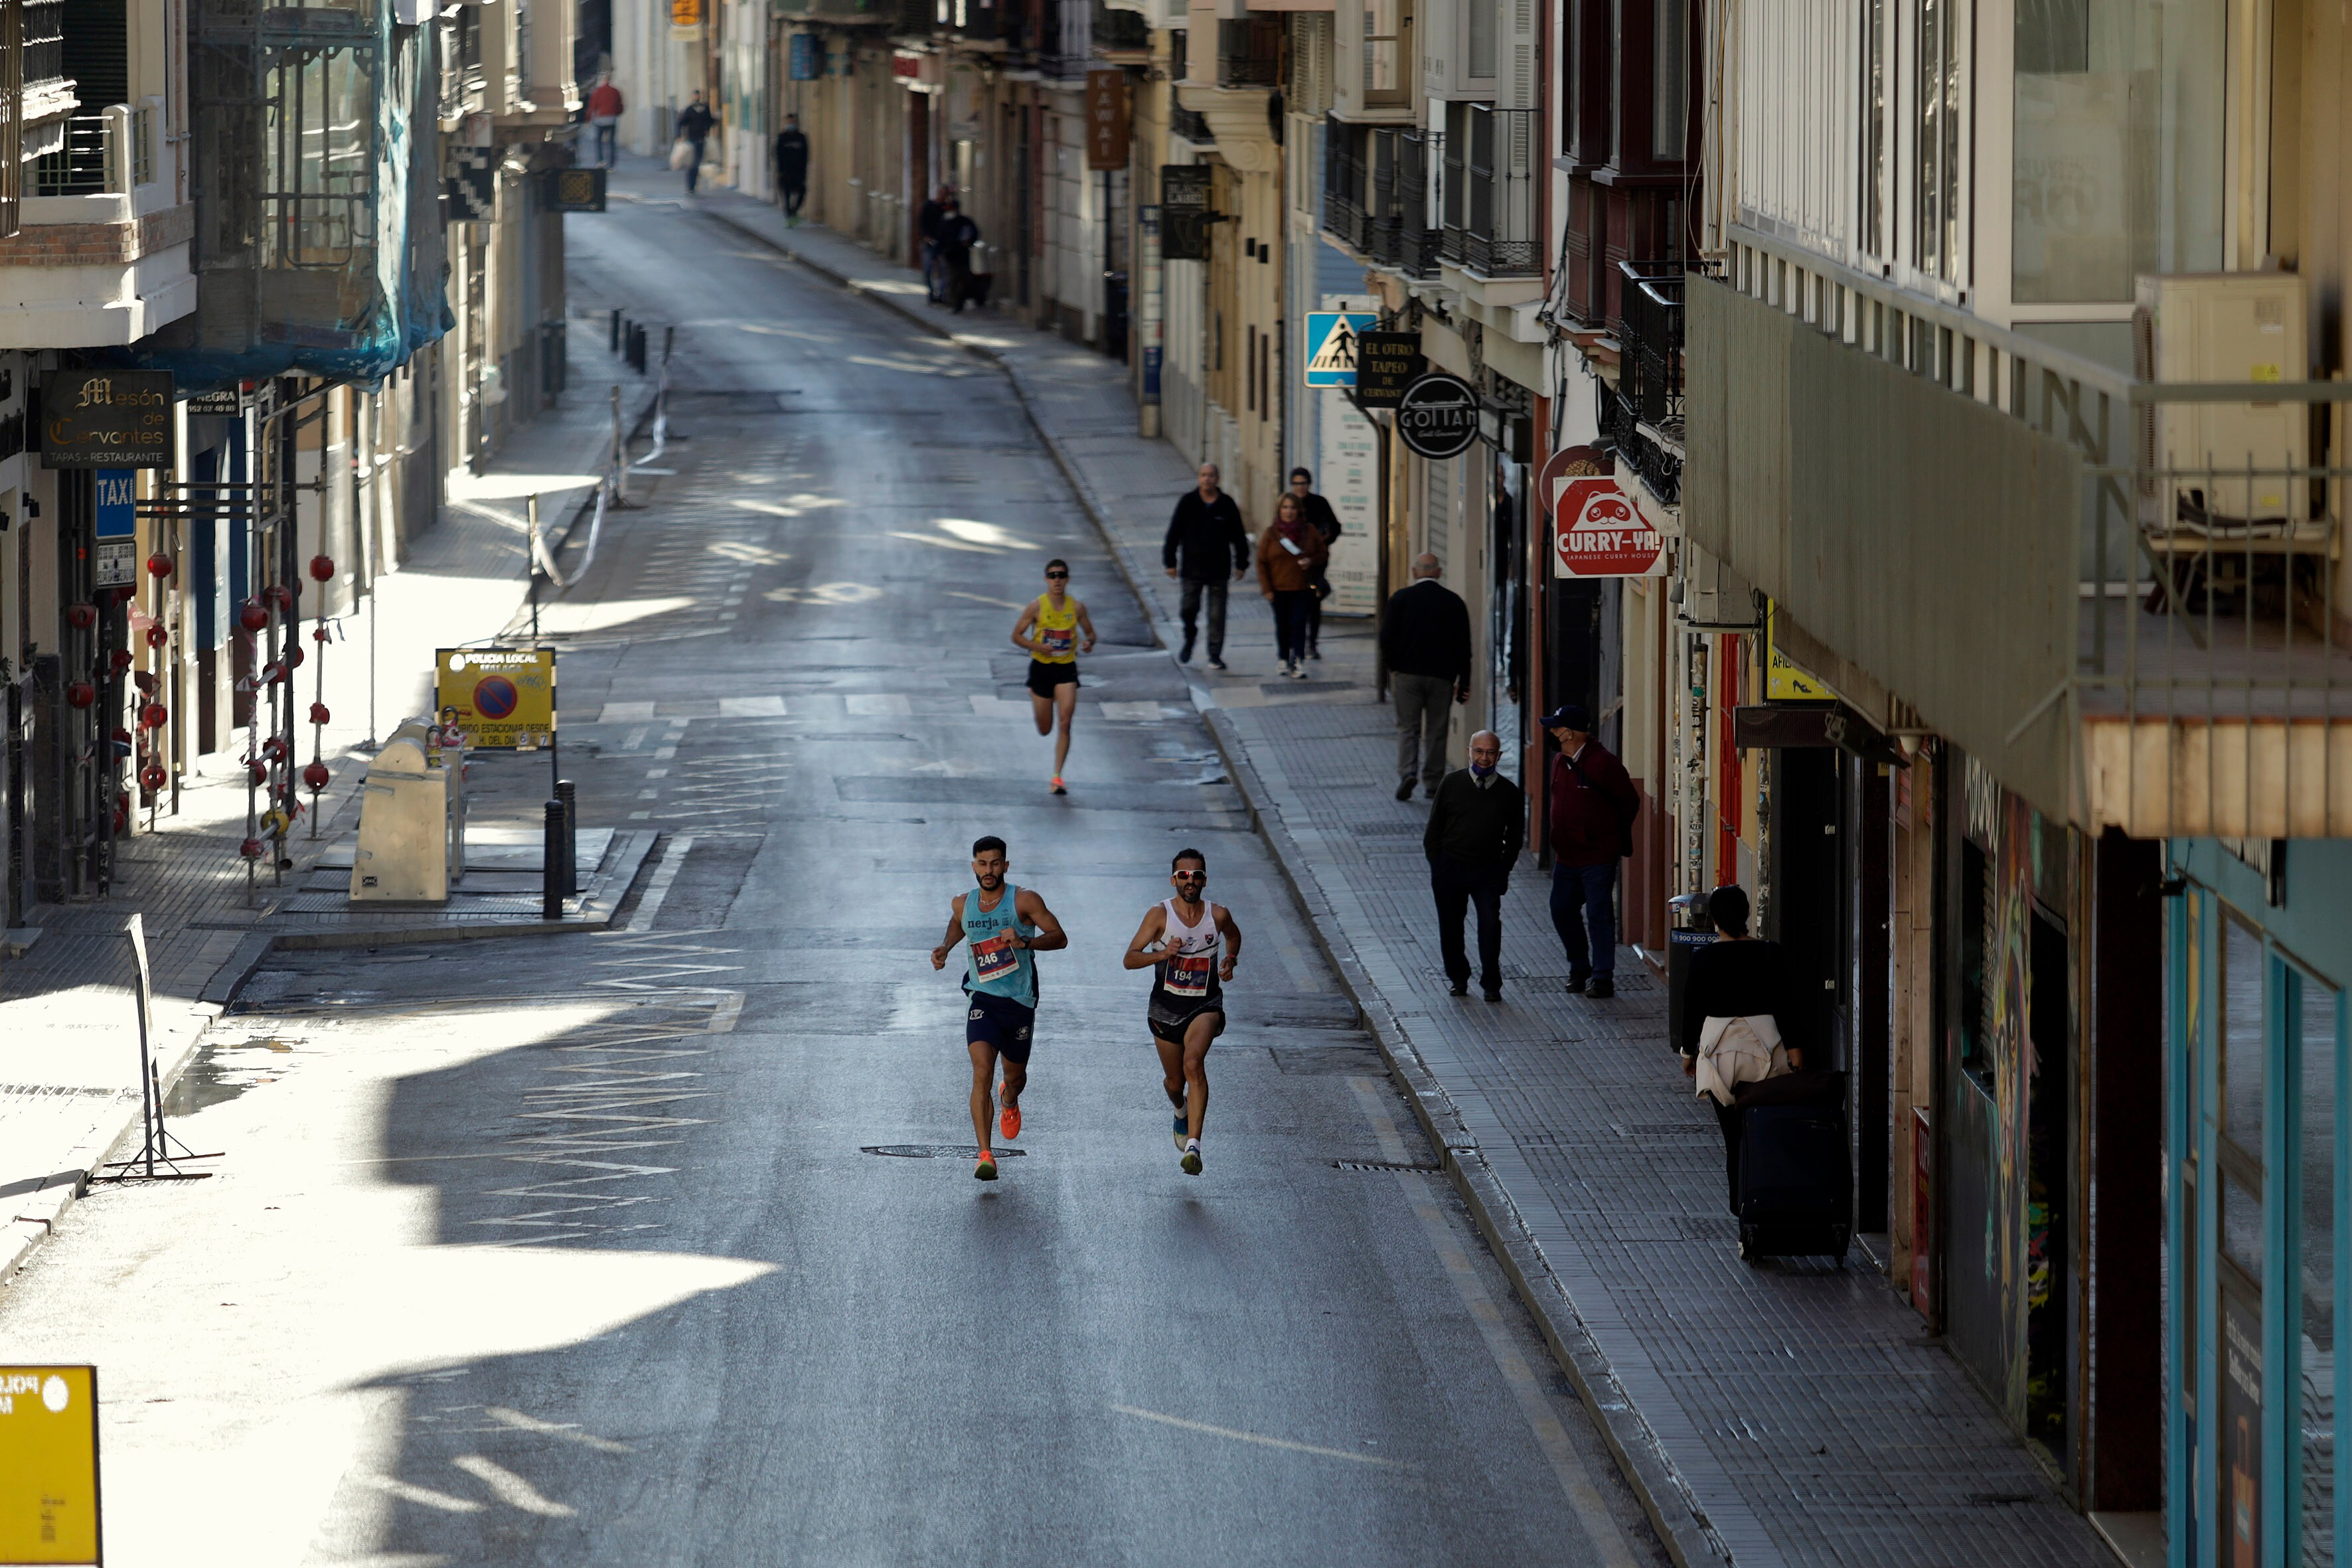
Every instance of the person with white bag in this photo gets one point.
(1735, 996)
(694, 124)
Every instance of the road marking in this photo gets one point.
(750, 706)
(983, 599)
(425, 1496)
(626, 713)
(511, 1488)
(1130, 711)
(1263, 1440)
(569, 1431)
(1609, 1543)
(664, 874)
(878, 705)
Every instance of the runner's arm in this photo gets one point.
(1155, 920)
(1087, 624)
(1050, 935)
(1020, 639)
(1232, 935)
(955, 933)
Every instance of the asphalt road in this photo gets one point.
(581, 1250)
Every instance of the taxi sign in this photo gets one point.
(502, 698)
(1598, 531)
(48, 1465)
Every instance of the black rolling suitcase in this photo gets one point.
(1796, 1186)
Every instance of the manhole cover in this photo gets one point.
(1385, 1165)
(936, 1152)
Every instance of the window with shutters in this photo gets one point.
(1670, 64)
(12, 113)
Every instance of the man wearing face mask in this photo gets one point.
(1476, 824)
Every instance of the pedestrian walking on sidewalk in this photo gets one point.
(1050, 629)
(1425, 639)
(604, 109)
(1476, 824)
(1593, 804)
(928, 218)
(694, 124)
(957, 234)
(1205, 539)
(1325, 521)
(1290, 557)
(1007, 926)
(792, 168)
(1734, 998)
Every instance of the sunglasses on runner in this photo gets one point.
(1050, 575)
(1192, 876)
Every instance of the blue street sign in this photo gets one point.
(114, 515)
(1331, 345)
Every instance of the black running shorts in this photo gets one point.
(1000, 1021)
(1044, 678)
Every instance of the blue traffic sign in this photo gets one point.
(1331, 345)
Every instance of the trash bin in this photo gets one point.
(1690, 933)
(402, 850)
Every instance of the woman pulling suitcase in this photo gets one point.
(1737, 993)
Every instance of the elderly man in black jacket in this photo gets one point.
(1476, 824)
(1205, 538)
(1425, 639)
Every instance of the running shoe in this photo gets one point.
(1192, 1159)
(1057, 786)
(1008, 1121)
(985, 1170)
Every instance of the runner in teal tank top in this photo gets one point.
(1007, 927)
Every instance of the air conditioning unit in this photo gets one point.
(2222, 470)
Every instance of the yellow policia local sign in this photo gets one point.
(501, 698)
(1784, 680)
(48, 1465)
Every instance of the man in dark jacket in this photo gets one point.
(1205, 538)
(1317, 515)
(1425, 639)
(1476, 827)
(1593, 804)
(694, 124)
(928, 218)
(957, 234)
(792, 167)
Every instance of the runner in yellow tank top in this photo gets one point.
(1050, 630)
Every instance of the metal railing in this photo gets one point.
(44, 41)
(1490, 195)
(1419, 158)
(89, 164)
(1645, 415)
(1192, 125)
(1345, 189)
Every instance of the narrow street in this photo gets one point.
(661, 1245)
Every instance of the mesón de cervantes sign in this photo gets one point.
(107, 420)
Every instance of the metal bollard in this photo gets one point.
(570, 797)
(613, 340)
(551, 875)
(669, 342)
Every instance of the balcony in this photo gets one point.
(1347, 187)
(1646, 413)
(1490, 194)
(1995, 533)
(1249, 52)
(100, 254)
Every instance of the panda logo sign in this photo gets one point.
(1598, 532)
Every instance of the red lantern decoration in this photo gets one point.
(321, 568)
(146, 682)
(121, 736)
(251, 849)
(121, 595)
(278, 596)
(315, 776)
(272, 673)
(82, 618)
(318, 713)
(80, 693)
(153, 716)
(274, 749)
(251, 615)
(294, 655)
(320, 635)
(122, 816)
(157, 637)
(153, 778)
(158, 565)
(257, 771)
(119, 659)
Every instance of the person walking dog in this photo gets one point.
(1475, 827)
(1593, 804)
(1425, 639)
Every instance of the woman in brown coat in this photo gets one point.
(1291, 553)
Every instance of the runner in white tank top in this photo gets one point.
(1177, 939)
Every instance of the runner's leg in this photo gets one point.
(983, 1080)
(1017, 1078)
(1065, 701)
(1042, 710)
(1198, 1037)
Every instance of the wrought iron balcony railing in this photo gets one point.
(1491, 229)
(1650, 342)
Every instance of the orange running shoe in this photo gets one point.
(1008, 1121)
(985, 1171)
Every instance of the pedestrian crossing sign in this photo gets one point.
(1331, 345)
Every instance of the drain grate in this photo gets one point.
(936, 1152)
(2001, 1500)
(1663, 1129)
(1386, 1166)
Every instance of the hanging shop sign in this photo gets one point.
(1184, 218)
(107, 420)
(1784, 679)
(1386, 363)
(1597, 531)
(48, 1465)
(503, 699)
(807, 60)
(116, 558)
(685, 17)
(1330, 356)
(471, 183)
(1437, 416)
(1107, 119)
(575, 190)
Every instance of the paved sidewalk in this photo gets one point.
(1792, 1413)
(68, 1045)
